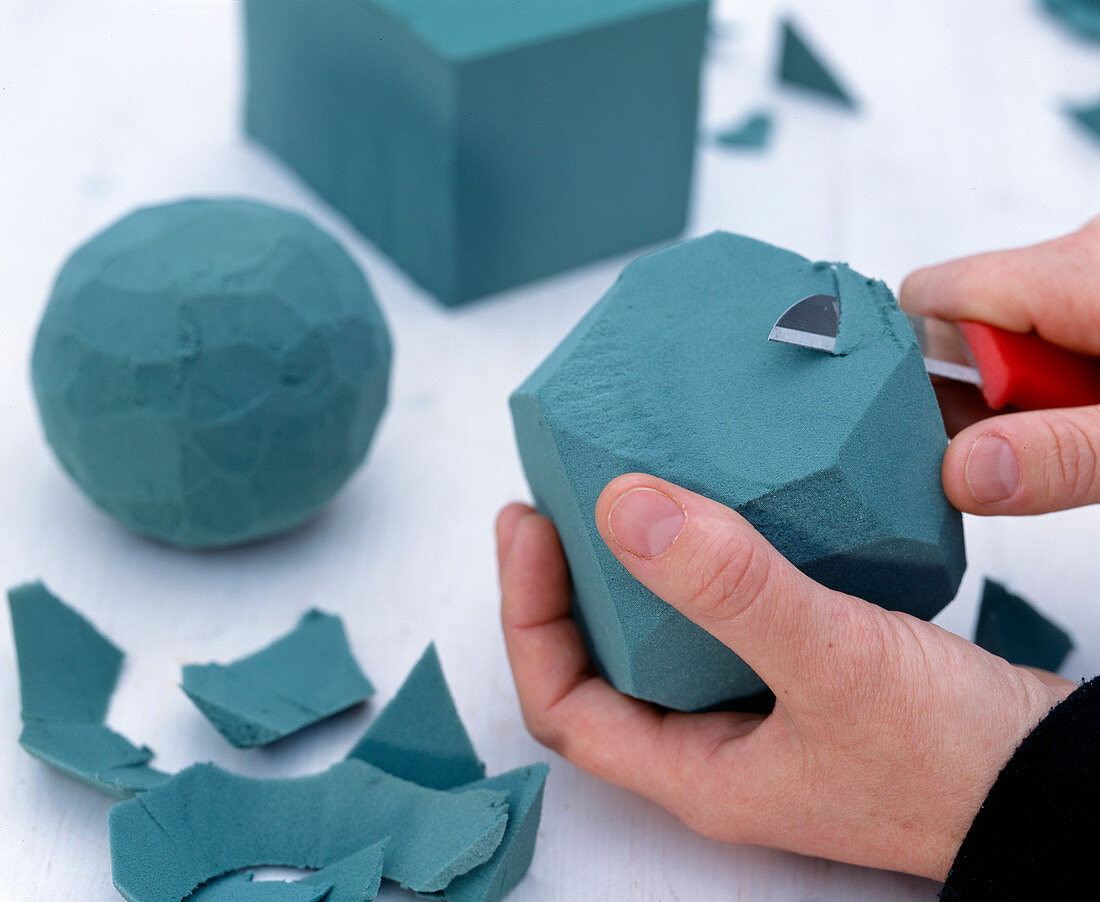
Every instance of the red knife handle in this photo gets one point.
(1025, 371)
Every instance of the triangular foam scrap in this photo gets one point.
(1010, 627)
(67, 673)
(803, 67)
(1088, 117)
(419, 736)
(500, 874)
(352, 879)
(296, 681)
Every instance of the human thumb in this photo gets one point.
(1026, 463)
(711, 565)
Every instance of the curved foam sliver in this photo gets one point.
(206, 822)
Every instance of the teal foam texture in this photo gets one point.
(93, 754)
(1082, 17)
(1087, 116)
(484, 144)
(419, 736)
(1012, 628)
(835, 458)
(211, 371)
(298, 680)
(67, 674)
(751, 133)
(242, 888)
(353, 879)
(508, 866)
(804, 67)
(67, 668)
(206, 822)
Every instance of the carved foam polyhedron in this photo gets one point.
(835, 458)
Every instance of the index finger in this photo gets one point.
(1052, 288)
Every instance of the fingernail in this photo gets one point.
(645, 522)
(992, 471)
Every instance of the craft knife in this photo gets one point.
(1022, 370)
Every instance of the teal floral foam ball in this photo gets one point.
(211, 372)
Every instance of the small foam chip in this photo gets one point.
(751, 133)
(500, 874)
(805, 68)
(298, 680)
(1012, 628)
(419, 735)
(834, 458)
(206, 822)
(352, 879)
(67, 674)
(1081, 16)
(1087, 116)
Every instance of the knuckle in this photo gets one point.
(587, 753)
(544, 729)
(568, 736)
(1071, 459)
(726, 575)
(538, 729)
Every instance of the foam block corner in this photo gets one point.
(434, 128)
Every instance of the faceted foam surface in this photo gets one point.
(211, 371)
(835, 458)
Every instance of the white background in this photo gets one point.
(961, 146)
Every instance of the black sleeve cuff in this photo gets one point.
(1037, 836)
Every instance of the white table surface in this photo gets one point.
(961, 146)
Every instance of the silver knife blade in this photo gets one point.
(814, 322)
